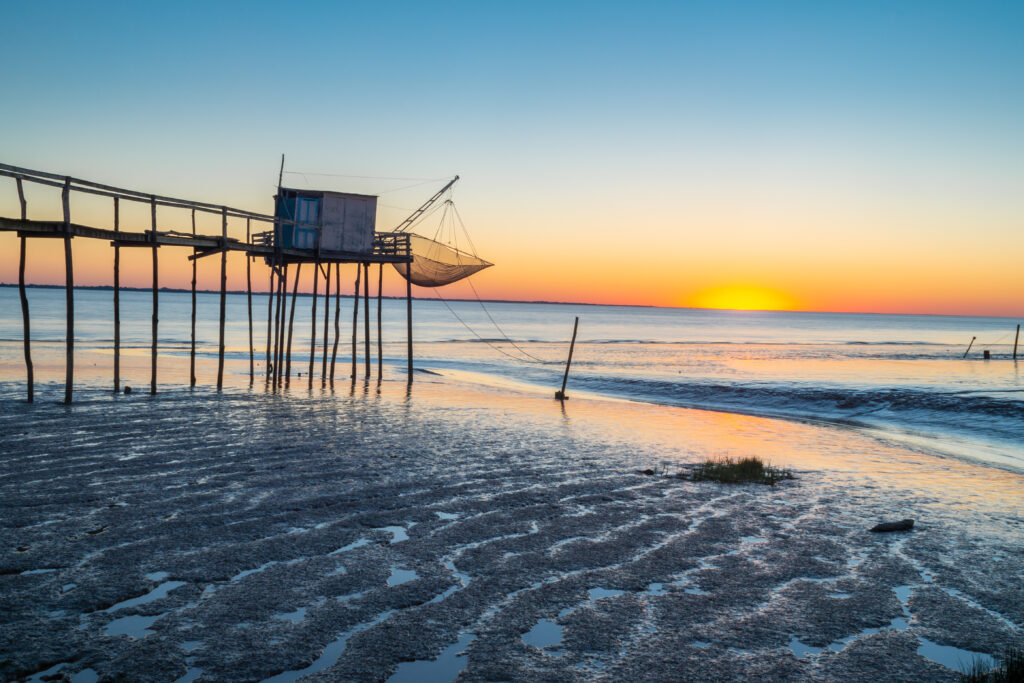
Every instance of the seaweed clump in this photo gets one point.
(729, 470)
(1010, 671)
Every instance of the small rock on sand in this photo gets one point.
(902, 525)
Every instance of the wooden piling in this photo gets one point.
(291, 324)
(248, 292)
(277, 321)
(355, 319)
(408, 325)
(192, 351)
(1015, 340)
(117, 299)
(560, 395)
(337, 316)
(26, 333)
(223, 294)
(270, 311)
(969, 347)
(327, 314)
(156, 301)
(312, 340)
(282, 286)
(366, 317)
(69, 297)
(380, 324)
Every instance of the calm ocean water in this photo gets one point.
(902, 377)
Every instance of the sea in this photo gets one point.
(908, 379)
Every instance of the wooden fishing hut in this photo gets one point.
(324, 229)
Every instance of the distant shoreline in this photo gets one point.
(553, 303)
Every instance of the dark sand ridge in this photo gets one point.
(239, 536)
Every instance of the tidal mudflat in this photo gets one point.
(486, 535)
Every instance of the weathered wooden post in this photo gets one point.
(117, 299)
(291, 325)
(277, 320)
(312, 340)
(366, 316)
(270, 327)
(69, 296)
(560, 395)
(192, 352)
(327, 314)
(248, 292)
(156, 301)
(355, 319)
(408, 322)
(337, 316)
(282, 293)
(26, 333)
(969, 347)
(223, 293)
(380, 335)
(1015, 340)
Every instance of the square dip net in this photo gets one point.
(435, 264)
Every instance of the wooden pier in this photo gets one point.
(387, 247)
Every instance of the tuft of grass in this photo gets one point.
(1010, 671)
(748, 470)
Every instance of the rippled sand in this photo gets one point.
(487, 534)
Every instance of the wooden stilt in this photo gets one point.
(26, 333)
(277, 322)
(366, 317)
(380, 336)
(291, 324)
(327, 315)
(248, 292)
(282, 287)
(156, 301)
(355, 320)
(337, 316)
(1015, 339)
(117, 299)
(192, 352)
(69, 294)
(408, 325)
(312, 340)
(560, 395)
(223, 294)
(270, 311)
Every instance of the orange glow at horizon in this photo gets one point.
(742, 298)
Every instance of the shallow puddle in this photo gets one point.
(135, 626)
(953, 657)
(446, 667)
(191, 674)
(598, 593)
(294, 617)
(546, 634)
(85, 676)
(157, 593)
(400, 576)
(398, 533)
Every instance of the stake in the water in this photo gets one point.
(560, 395)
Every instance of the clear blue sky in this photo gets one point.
(569, 122)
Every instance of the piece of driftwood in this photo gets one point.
(902, 525)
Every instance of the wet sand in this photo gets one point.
(484, 533)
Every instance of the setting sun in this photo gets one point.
(742, 298)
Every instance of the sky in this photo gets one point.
(839, 156)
